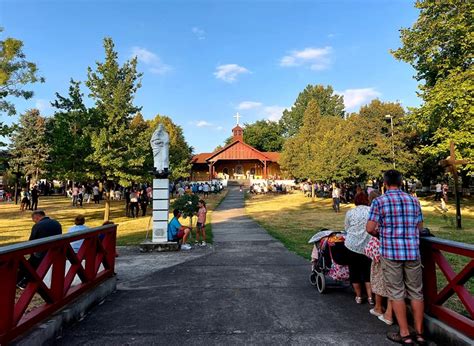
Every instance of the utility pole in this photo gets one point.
(388, 116)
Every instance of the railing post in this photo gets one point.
(57, 274)
(8, 274)
(430, 282)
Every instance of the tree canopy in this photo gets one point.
(15, 73)
(330, 104)
(113, 89)
(439, 46)
(29, 145)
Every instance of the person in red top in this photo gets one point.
(201, 222)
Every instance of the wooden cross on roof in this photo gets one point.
(450, 164)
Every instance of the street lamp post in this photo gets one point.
(388, 116)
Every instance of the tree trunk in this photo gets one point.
(107, 206)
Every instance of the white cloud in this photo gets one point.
(228, 73)
(200, 33)
(316, 58)
(153, 61)
(273, 113)
(248, 105)
(354, 98)
(202, 123)
(43, 105)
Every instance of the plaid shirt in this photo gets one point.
(397, 214)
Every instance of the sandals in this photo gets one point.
(420, 339)
(404, 340)
(358, 300)
(370, 300)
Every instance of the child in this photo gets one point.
(201, 222)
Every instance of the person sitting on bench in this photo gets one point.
(176, 232)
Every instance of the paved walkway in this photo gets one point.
(250, 290)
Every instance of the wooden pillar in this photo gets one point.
(210, 171)
(265, 170)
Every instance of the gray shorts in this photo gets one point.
(403, 279)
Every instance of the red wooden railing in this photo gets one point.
(94, 262)
(432, 257)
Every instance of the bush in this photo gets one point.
(187, 204)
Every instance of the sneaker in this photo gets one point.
(203, 243)
(375, 313)
(384, 320)
(186, 247)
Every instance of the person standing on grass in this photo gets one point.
(134, 203)
(336, 198)
(439, 190)
(34, 198)
(397, 219)
(25, 202)
(96, 194)
(43, 227)
(201, 222)
(144, 201)
(75, 195)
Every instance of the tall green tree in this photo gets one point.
(15, 73)
(299, 152)
(264, 135)
(69, 136)
(330, 104)
(374, 136)
(29, 145)
(113, 87)
(439, 46)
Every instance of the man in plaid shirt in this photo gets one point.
(396, 218)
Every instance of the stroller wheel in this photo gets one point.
(320, 282)
(312, 278)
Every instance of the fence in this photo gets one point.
(432, 250)
(61, 276)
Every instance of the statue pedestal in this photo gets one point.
(161, 204)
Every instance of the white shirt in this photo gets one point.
(336, 192)
(356, 220)
(438, 187)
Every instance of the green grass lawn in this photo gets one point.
(294, 219)
(15, 226)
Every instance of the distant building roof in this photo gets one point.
(200, 158)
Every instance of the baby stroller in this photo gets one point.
(329, 259)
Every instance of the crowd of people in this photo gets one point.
(180, 188)
(264, 187)
(382, 238)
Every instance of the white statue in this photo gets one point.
(160, 145)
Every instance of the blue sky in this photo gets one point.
(205, 60)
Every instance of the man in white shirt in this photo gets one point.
(439, 189)
(336, 197)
